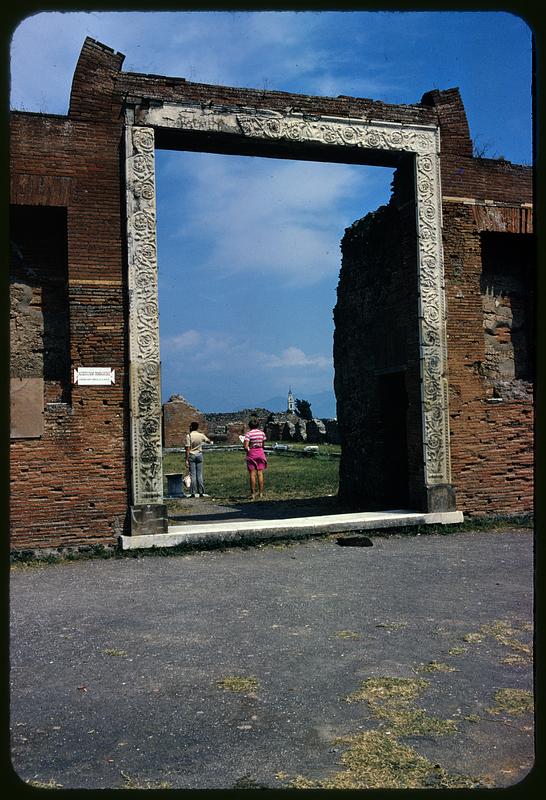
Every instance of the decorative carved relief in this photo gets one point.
(421, 141)
(147, 475)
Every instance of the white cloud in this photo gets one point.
(289, 51)
(217, 351)
(295, 357)
(264, 216)
(182, 341)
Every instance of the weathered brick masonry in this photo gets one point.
(178, 414)
(70, 486)
(491, 417)
(70, 481)
(489, 263)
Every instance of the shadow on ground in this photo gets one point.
(203, 509)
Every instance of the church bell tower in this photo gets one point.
(291, 406)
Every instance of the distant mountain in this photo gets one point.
(323, 404)
(277, 404)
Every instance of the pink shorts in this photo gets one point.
(255, 459)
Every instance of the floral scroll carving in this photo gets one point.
(146, 443)
(420, 141)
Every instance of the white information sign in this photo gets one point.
(94, 376)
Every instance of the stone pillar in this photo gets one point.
(145, 394)
(439, 494)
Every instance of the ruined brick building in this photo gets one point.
(489, 271)
(434, 316)
(177, 416)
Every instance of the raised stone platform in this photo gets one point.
(239, 530)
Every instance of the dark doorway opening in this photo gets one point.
(40, 332)
(507, 289)
(393, 403)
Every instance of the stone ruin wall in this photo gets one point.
(376, 341)
(491, 400)
(291, 428)
(70, 485)
(226, 427)
(489, 262)
(178, 414)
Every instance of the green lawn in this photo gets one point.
(287, 476)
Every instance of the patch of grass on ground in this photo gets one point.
(405, 721)
(286, 477)
(472, 637)
(390, 699)
(435, 666)
(248, 782)
(50, 784)
(374, 689)
(135, 783)
(457, 651)
(347, 635)
(375, 760)
(238, 683)
(111, 651)
(513, 659)
(505, 632)
(515, 702)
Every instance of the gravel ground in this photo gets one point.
(232, 669)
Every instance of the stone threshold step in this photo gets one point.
(238, 531)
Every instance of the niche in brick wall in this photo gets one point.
(39, 317)
(507, 282)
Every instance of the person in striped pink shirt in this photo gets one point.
(256, 460)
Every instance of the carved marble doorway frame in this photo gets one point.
(294, 131)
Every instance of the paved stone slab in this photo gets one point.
(270, 529)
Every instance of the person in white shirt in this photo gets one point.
(194, 459)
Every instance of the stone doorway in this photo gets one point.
(245, 131)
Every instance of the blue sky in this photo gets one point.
(249, 248)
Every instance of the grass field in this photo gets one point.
(287, 475)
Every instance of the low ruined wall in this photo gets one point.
(178, 414)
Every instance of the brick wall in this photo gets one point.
(71, 485)
(177, 416)
(376, 358)
(491, 407)
(491, 419)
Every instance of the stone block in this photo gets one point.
(440, 498)
(149, 519)
(175, 487)
(26, 408)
